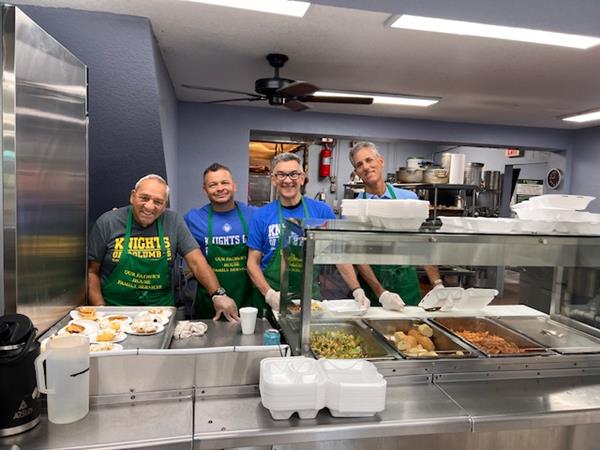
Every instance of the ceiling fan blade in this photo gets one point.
(297, 88)
(333, 99)
(229, 91)
(296, 105)
(249, 99)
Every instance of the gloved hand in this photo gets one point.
(272, 299)
(438, 286)
(225, 305)
(361, 298)
(391, 301)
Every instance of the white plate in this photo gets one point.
(159, 311)
(114, 347)
(118, 338)
(76, 316)
(90, 327)
(128, 320)
(160, 329)
(347, 307)
(146, 316)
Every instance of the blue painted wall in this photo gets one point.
(585, 173)
(209, 133)
(125, 138)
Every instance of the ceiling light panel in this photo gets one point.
(435, 25)
(583, 117)
(284, 7)
(383, 99)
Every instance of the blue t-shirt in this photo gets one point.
(227, 227)
(265, 230)
(401, 194)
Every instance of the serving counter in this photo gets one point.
(202, 393)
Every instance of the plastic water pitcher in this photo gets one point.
(66, 379)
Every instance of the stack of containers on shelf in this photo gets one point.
(349, 388)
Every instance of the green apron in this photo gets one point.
(402, 280)
(229, 264)
(139, 281)
(272, 272)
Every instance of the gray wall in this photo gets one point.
(125, 139)
(209, 133)
(586, 157)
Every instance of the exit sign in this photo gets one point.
(513, 153)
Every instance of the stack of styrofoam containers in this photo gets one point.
(354, 210)
(403, 215)
(294, 384)
(348, 387)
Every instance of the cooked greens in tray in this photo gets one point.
(336, 344)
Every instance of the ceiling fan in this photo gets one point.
(282, 91)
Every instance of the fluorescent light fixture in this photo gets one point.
(285, 7)
(383, 99)
(494, 31)
(583, 117)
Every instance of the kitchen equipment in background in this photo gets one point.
(473, 171)
(446, 161)
(488, 200)
(19, 396)
(260, 189)
(435, 175)
(492, 180)
(410, 175)
(66, 378)
(414, 162)
(457, 168)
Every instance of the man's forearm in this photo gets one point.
(95, 296)
(202, 270)
(255, 272)
(349, 276)
(433, 274)
(369, 276)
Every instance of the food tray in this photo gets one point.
(554, 335)
(155, 341)
(370, 347)
(446, 346)
(530, 347)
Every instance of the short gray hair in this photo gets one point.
(285, 157)
(152, 176)
(358, 147)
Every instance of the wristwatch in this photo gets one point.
(220, 291)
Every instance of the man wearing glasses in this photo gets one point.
(132, 249)
(264, 239)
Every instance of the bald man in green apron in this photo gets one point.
(132, 249)
(394, 286)
(221, 229)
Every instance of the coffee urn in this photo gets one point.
(20, 402)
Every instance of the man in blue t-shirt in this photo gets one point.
(221, 229)
(393, 286)
(264, 240)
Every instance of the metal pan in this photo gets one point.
(527, 346)
(446, 346)
(370, 347)
(554, 335)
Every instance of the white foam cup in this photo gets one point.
(248, 317)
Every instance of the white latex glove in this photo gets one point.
(391, 301)
(225, 305)
(186, 329)
(361, 298)
(438, 286)
(272, 299)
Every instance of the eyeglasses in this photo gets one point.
(283, 175)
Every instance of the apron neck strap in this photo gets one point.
(306, 216)
(390, 190)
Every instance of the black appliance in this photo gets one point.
(20, 402)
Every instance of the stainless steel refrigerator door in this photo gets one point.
(44, 172)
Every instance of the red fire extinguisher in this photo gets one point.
(325, 161)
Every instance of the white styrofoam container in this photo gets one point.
(397, 223)
(354, 387)
(491, 224)
(475, 299)
(443, 298)
(293, 384)
(573, 202)
(344, 307)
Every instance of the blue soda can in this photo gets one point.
(271, 337)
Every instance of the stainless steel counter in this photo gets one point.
(224, 334)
